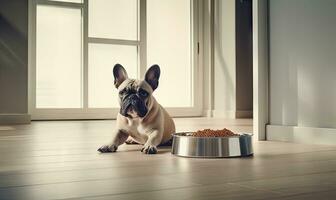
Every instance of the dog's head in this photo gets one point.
(135, 96)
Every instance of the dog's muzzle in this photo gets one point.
(133, 103)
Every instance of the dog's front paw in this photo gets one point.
(149, 149)
(108, 148)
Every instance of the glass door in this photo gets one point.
(59, 57)
(169, 44)
(76, 43)
(113, 38)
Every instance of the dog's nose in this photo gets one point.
(133, 101)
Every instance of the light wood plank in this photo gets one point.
(58, 159)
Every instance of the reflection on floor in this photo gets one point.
(58, 160)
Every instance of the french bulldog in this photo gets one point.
(141, 118)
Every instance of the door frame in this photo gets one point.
(260, 68)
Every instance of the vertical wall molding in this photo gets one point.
(260, 68)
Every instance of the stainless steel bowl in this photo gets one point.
(212, 147)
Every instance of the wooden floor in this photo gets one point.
(58, 160)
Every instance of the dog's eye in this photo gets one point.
(143, 93)
(121, 92)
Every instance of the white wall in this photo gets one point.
(13, 61)
(233, 59)
(206, 61)
(302, 63)
(225, 59)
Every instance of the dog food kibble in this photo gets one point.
(213, 133)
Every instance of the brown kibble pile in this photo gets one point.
(213, 133)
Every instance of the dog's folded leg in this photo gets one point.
(130, 140)
(119, 137)
(154, 139)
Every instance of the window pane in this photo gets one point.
(102, 58)
(168, 45)
(113, 19)
(58, 57)
(71, 1)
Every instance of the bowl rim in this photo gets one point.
(178, 134)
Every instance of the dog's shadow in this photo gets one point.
(133, 148)
(163, 150)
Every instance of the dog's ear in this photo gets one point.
(119, 74)
(152, 76)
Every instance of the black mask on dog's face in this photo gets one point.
(133, 100)
(135, 95)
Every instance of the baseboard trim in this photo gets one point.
(306, 135)
(207, 113)
(244, 114)
(17, 118)
(229, 114)
(224, 114)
